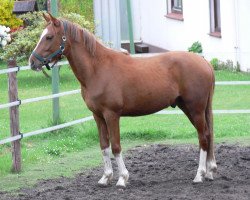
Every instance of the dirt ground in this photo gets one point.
(156, 172)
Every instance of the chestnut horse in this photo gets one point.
(114, 84)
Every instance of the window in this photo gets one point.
(176, 6)
(175, 9)
(215, 20)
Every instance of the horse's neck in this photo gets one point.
(83, 64)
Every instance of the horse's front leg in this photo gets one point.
(112, 121)
(104, 143)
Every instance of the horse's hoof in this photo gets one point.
(195, 181)
(209, 176)
(198, 179)
(105, 180)
(214, 168)
(122, 181)
(199, 176)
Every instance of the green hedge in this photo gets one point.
(24, 41)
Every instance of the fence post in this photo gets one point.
(55, 90)
(14, 118)
(55, 72)
(130, 28)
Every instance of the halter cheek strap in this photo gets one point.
(46, 60)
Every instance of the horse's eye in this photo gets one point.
(49, 37)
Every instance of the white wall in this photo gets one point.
(244, 34)
(151, 26)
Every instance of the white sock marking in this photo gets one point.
(123, 172)
(121, 166)
(203, 159)
(202, 166)
(107, 161)
(211, 168)
(108, 171)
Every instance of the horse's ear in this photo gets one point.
(46, 17)
(54, 20)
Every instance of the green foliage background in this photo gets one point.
(82, 7)
(196, 47)
(24, 41)
(6, 17)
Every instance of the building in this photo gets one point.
(22, 7)
(222, 26)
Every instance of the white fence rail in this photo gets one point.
(23, 68)
(232, 83)
(179, 112)
(45, 130)
(36, 99)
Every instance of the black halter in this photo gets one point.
(46, 60)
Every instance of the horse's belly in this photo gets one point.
(146, 106)
(140, 112)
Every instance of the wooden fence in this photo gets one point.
(14, 104)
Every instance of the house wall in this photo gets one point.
(151, 26)
(244, 34)
(136, 16)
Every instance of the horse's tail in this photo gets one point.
(209, 117)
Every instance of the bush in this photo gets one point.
(228, 65)
(25, 40)
(196, 47)
(215, 63)
(6, 16)
(79, 19)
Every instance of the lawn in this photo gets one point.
(74, 148)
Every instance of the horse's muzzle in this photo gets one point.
(34, 66)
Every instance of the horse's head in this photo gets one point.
(51, 44)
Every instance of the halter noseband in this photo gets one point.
(46, 60)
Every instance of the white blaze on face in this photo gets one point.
(45, 31)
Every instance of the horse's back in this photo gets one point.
(156, 82)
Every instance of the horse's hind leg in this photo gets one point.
(198, 121)
(104, 143)
(211, 162)
(200, 124)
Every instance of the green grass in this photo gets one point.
(65, 152)
(226, 75)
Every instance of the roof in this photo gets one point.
(25, 6)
